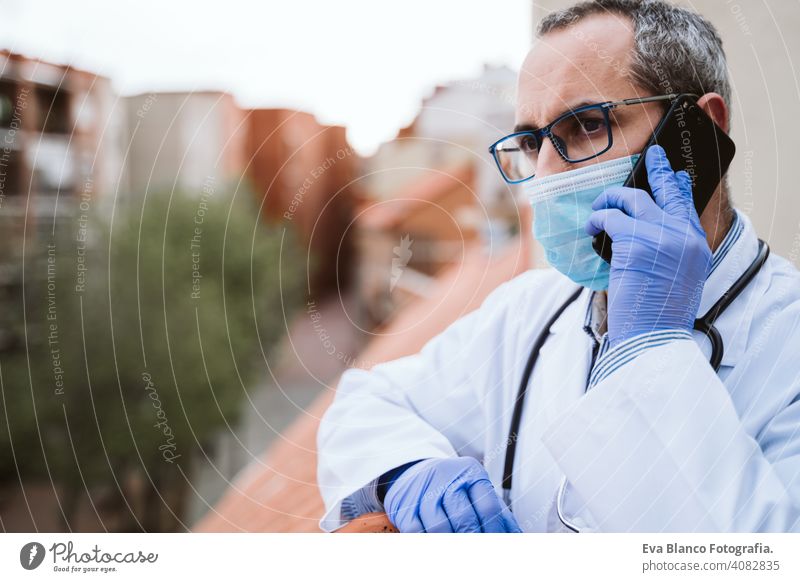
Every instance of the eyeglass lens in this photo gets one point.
(578, 136)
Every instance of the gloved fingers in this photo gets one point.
(495, 517)
(404, 514)
(685, 182)
(409, 522)
(634, 202)
(459, 510)
(509, 521)
(663, 183)
(433, 517)
(612, 220)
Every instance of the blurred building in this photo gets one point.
(434, 191)
(185, 141)
(456, 124)
(299, 170)
(470, 115)
(61, 139)
(405, 241)
(304, 172)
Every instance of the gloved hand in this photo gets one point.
(447, 495)
(660, 254)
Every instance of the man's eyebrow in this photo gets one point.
(533, 127)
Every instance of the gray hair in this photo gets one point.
(676, 50)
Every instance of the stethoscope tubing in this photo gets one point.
(704, 324)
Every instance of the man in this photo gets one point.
(625, 426)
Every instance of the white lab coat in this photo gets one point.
(661, 444)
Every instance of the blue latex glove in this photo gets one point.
(385, 481)
(447, 495)
(660, 256)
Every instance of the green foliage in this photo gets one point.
(156, 329)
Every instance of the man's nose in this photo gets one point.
(549, 161)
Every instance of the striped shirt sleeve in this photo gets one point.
(364, 500)
(610, 359)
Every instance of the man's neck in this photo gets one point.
(717, 220)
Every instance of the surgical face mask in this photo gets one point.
(561, 205)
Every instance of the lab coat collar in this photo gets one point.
(578, 315)
(737, 251)
(732, 257)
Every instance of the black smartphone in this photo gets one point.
(694, 143)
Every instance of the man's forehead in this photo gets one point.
(584, 62)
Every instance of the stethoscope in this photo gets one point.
(704, 324)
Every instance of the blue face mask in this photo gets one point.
(562, 204)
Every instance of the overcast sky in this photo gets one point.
(364, 64)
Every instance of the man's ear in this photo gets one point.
(714, 106)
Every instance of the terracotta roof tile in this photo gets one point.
(419, 194)
(279, 494)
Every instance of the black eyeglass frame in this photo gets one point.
(543, 132)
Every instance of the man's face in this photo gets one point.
(582, 64)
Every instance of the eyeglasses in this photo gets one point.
(578, 135)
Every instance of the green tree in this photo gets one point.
(139, 345)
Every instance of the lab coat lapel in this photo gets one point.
(558, 380)
(737, 253)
